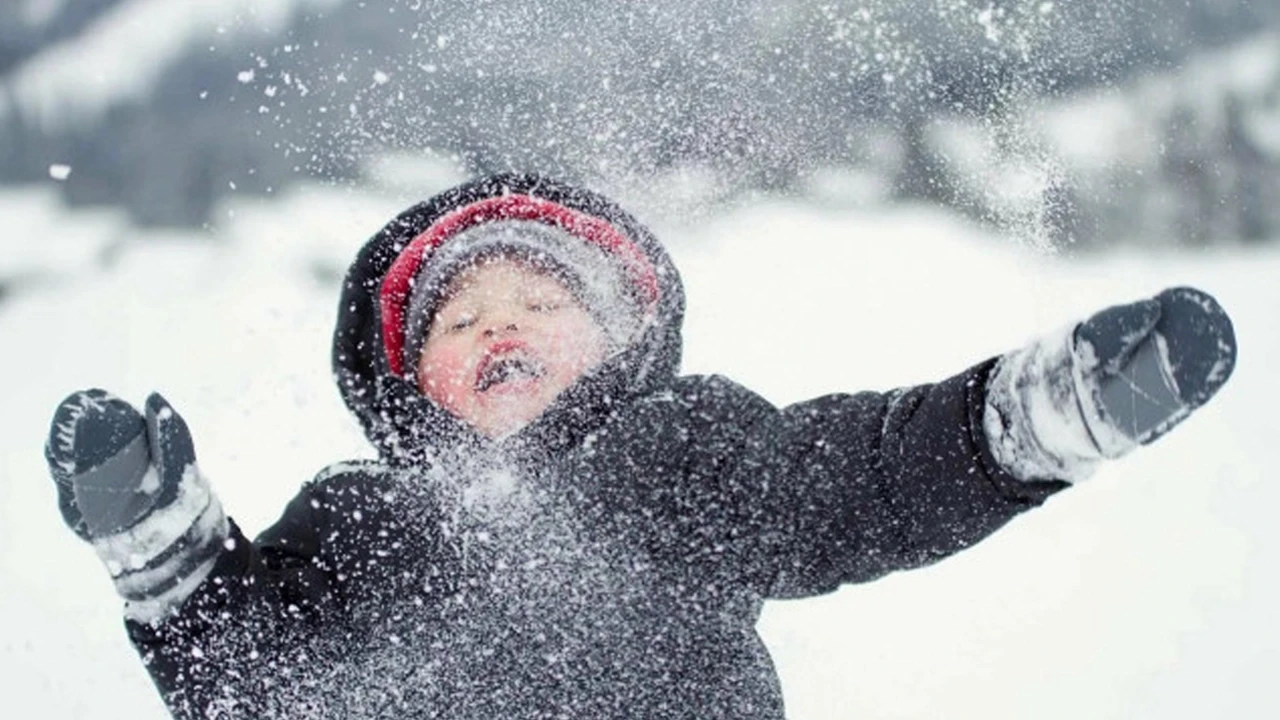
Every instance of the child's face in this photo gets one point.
(507, 340)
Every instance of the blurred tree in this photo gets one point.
(29, 26)
(1255, 178)
(759, 92)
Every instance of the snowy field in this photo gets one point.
(1146, 593)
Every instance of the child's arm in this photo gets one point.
(129, 485)
(846, 488)
(203, 605)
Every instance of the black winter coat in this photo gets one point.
(609, 561)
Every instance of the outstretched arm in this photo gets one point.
(253, 622)
(203, 605)
(130, 486)
(846, 488)
(856, 486)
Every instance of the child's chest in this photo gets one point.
(594, 531)
(575, 581)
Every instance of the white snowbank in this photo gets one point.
(1146, 593)
(45, 243)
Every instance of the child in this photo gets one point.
(558, 524)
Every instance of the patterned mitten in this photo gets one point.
(1122, 378)
(129, 485)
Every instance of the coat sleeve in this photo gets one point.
(846, 488)
(255, 614)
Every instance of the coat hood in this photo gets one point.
(368, 340)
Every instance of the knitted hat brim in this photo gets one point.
(595, 279)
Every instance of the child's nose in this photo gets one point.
(502, 328)
(502, 322)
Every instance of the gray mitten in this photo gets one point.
(129, 485)
(1142, 368)
(1122, 378)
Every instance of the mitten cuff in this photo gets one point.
(160, 560)
(1032, 417)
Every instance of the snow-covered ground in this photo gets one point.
(1146, 593)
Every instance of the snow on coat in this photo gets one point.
(610, 560)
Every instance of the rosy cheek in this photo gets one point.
(578, 349)
(443, 377)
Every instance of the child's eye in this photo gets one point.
(543, 306)
(462, 323)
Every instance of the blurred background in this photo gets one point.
(860, 195)
(1082, 123)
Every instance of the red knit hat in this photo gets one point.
(608, 272)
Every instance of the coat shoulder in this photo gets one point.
(714, 392)
(350, 474)
(701, 413)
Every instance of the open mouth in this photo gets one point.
(506, 369)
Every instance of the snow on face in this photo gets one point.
(507, 340)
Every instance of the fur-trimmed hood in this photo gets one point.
(404, 425)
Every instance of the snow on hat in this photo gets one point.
(585, 270)
(604, 270)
